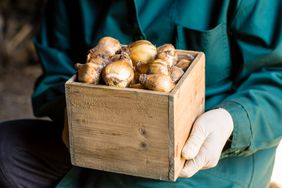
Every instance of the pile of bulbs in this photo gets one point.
(138, 65)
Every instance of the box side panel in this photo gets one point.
(119, 131)
(171, 143)
(189, 100)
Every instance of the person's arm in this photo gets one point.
(253, 111)
(256, 104)
(55, 46)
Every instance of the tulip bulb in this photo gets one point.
(118, 73)
(88, 73)
(136, 86)
(167, 52)
(142, 51)
(176, 73)
(157, 82)
(183, 64)
(108, 45)
(157, 66)
(122, 56)
(141, 67)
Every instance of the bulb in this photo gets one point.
(108, 45)
(157, 66)
(142, 51)
(141, 67)
(88, 73)
(118, 73)
(167, 52)
(122, 56)
(176, 73)
(136, 86)
(183, 64)
(157, 82)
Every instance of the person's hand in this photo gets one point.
(204, 146)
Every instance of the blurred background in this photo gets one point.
(19, 66)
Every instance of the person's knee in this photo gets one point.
(16, 138)
(27, 150)
(7, 153)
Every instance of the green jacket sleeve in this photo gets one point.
(53, 48)
(256, 103)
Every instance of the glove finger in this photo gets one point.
(192, 166)
(194, 142)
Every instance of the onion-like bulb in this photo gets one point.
(183, 64)
(141, 67)
(108, 45)
(122, 56)
(176, 73)
(167, 52)
(88, 73)
(142, 51)
(158, 66)
(118, 73)
(157, 82)
(136, 86)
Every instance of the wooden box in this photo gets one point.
(134, 131)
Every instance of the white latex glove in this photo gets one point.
(209, 134)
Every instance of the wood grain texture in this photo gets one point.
(188, 104)
(134, 131)
(119, 131)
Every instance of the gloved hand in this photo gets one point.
(209, 134)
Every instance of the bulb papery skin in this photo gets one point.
(158, 66)
(108, 45)
(88, 73)
(122, 56)
(141, 67)
(137, 86)
(183, 64)
(167, 52)
(118, 73)
(142, 51)
(176, 73)
(157, 82)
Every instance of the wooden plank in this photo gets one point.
(119, 130)
(189, 99)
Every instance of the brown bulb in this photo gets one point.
(136, 77)
(108, 45)
(157, 82)
(122, 56)
(123, 49)
(88, 73)
(158, 66)
(141, 67)
(136, 86)
(142, 51)
(118, 73)
(183, 64)
(176, 73)
(167, 52)
(96, 56)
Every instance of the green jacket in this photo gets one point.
(242, 41)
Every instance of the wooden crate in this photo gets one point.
(134, 131)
